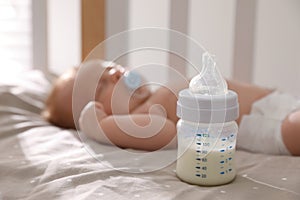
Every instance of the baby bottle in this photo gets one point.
(207, 129)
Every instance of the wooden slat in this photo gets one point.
(93, 25)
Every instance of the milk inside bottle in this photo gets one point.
(207, 129)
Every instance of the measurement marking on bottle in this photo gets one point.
(206, 144)
(205, 152)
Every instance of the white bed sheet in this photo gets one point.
(41, 161)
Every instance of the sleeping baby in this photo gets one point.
(99, 100)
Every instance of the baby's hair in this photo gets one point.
(53, 112)
(61, 93)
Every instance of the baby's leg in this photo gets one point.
(270, 125)
(291, 133)
(247, 95)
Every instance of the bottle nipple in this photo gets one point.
(210, 80)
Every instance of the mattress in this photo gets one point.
(41, 161)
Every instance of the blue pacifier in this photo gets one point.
(132, 80)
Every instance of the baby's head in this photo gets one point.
(96, 82)
(58, 107)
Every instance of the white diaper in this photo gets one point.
(260, 131)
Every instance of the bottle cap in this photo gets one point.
(207, 108)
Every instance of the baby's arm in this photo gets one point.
(138, 131)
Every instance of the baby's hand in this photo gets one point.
(90, 109)
(89, 120)
(100, 110)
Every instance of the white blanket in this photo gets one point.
(41, 161)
